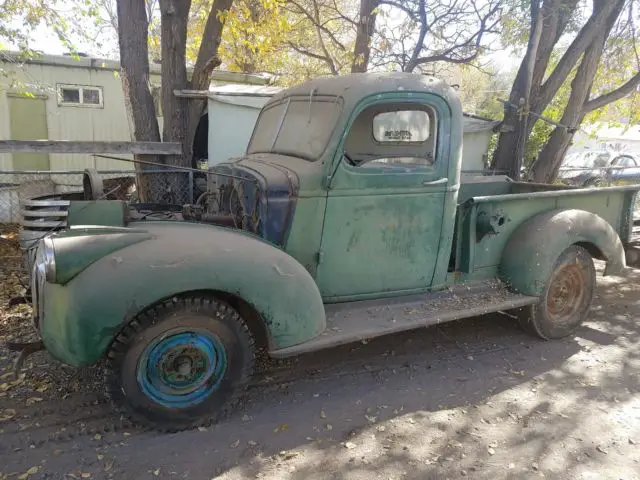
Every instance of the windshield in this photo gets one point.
(298, 126)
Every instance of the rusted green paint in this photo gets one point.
(79, 248)
(531, 252)
(80, 320)
(384, 231)
(109, 213)
(303, 242)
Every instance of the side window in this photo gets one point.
(625, 161)
(402, 126)
(393, 135)
(79, 96)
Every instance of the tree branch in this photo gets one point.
(316, 22)
(208, 59)
(614, 95)
(568, 61)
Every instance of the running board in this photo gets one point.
(357, 321)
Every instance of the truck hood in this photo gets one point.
(259, 192)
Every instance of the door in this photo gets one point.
(385, 203)
(29, 122)
(624, 170)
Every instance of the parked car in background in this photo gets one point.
(599, 168)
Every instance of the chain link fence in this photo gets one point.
(165, 186)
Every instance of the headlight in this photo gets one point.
(49, 260)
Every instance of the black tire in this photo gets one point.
(566, 299)
(183, 347)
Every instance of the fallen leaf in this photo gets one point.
(235, 444)
(100, 456)
(97, 436)
(288, 455)
(32, 400)
(322, 414)
(31, 471)
(7, 414)
(86, 475)
(329, 427)
(156, 472)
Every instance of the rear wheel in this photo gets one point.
(566, 299)
(180, 364)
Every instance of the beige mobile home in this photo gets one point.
(71, 99)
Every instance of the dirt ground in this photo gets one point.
(477, 399)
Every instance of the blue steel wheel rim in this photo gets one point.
(182, 370)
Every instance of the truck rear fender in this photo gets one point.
(532, 250)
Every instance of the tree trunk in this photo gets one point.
(206, 63)
(546, 167)
(181, 116)
(556, 14)
(174, 16)
(364, 32)
(134, 71)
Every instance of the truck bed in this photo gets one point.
(490, 210)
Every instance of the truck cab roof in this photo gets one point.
(352, 88)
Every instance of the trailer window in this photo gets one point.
(79, 96)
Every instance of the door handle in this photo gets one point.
(440, 181)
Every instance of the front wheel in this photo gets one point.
(566, 299)
(180, 364)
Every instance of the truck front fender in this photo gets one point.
(532, 250)
(83, 316)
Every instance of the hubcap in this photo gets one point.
(566, 292)
(182, 369)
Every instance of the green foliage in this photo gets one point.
(20, 18)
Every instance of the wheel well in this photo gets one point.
(593, 250)
(248, 313)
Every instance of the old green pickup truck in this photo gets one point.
(347, 219)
